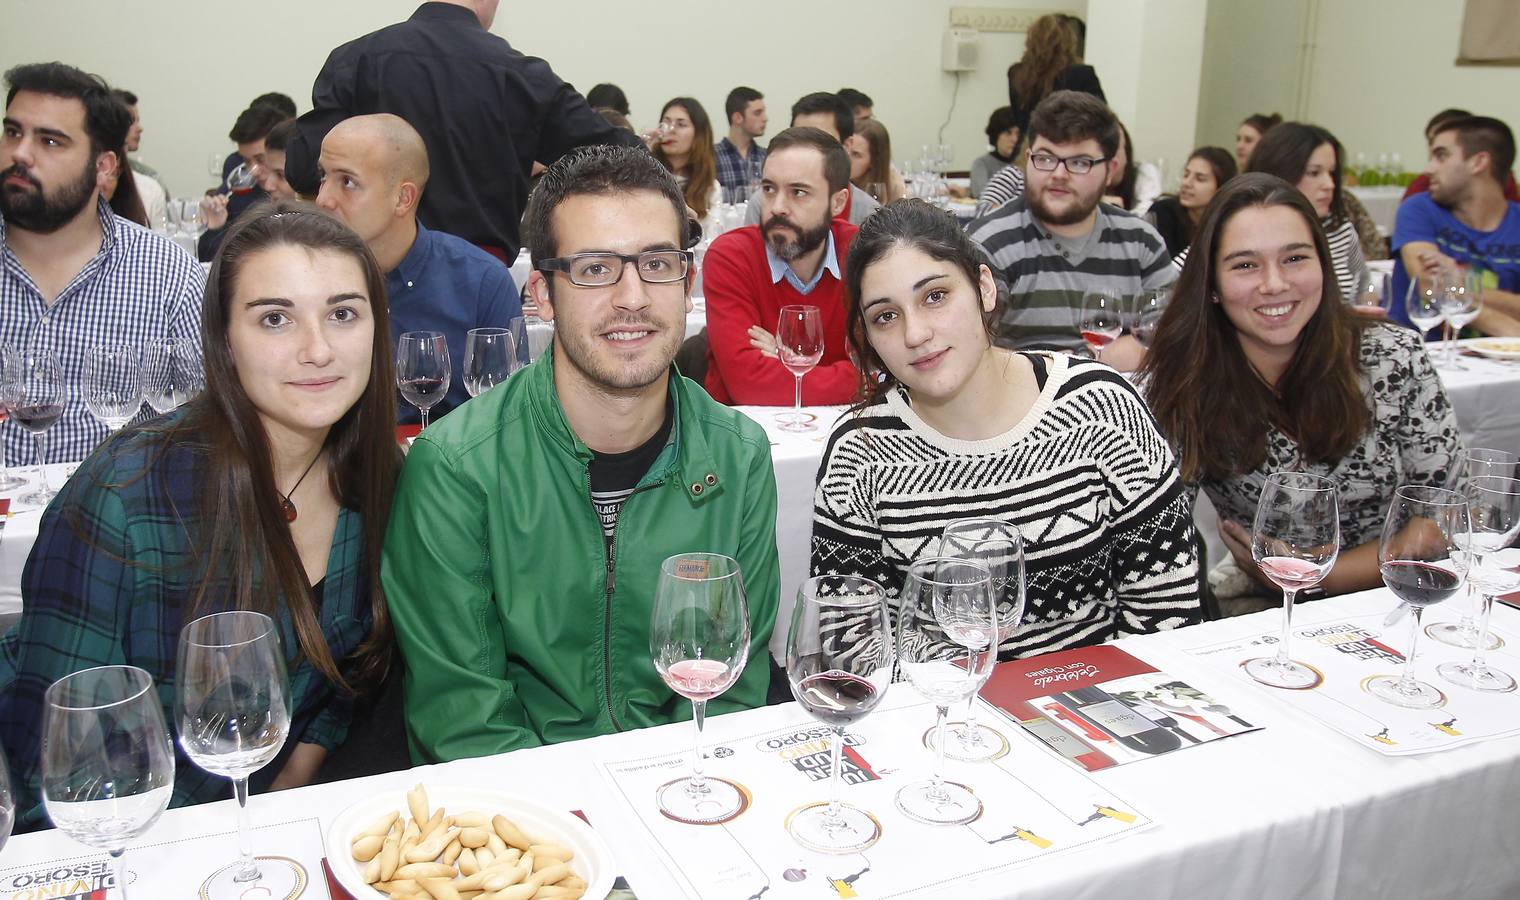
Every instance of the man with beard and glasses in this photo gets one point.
(1056, 241)
(73, 275)
(598, 452)
(794, 257)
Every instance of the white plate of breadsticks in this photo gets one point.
(465, 843)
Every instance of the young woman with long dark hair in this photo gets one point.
(686, 149)
(1176, 216)
(954, 427)
(1257, 367)
(270, 491)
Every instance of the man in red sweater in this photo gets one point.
(795, 256)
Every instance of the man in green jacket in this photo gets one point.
(530, 525)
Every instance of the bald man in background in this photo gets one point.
(373, 171)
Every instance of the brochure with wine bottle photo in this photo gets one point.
(1101, 707)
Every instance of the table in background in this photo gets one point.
(1293, 810)
(20, 534)
(1382, 203)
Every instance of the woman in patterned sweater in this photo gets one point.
(1256, 367)
(957, 428)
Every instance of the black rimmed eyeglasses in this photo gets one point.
(605, 269)
(1076, 165)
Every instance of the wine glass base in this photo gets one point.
(1485, 679)
(1419, 695)
(951, 804)
(796, 422)
(282, 877)
(851, 831)
(1453, 634)
(9, 482)
(40, 497)
(976, 744)
(1291, 675)
(718, 801)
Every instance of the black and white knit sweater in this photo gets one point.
(1085, 477)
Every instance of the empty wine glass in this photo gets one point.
(1423, 556)
(946, 615)
(232, 703)
(699, 639)
(1463, 633)
(1460, 298)
(490, 357)
(1494, 513)
(799, 344)
(171, 373)
(1295, 540)
(1102, 320)
(107, 762)
(838, 663)
(39, 405)
(1423, 306)
(533, 336)
(10, 395)
(999, 547)
(113, 384)
(423, 369)
(1149, 305)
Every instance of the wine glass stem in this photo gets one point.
(422, 411)
(698, 716)
(42, 484)
(119, 868)
(836, 756)
(1451, 344)
(937, 788)
(1468, 625)
(797, 406)
(1406, 680)
(248, 870)
(1480, 645)
(1287, 629)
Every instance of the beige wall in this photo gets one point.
(194, 73)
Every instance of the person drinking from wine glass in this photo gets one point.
(269, 491)
(530, 524)
(791, 259)
(955, 427)
(1258, 367)
(77, 276)
(686, 149)
(374, 173)
(229, 199)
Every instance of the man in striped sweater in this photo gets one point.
(1057, 241)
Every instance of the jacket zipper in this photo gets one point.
(611, 583)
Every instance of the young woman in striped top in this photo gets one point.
(954, 427)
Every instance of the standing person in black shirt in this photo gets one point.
(485, 111)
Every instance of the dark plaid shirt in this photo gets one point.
(111, 580)
(736, 173)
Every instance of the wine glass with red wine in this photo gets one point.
(1102, 320)
(839, 662)
(1295, 540)
(1423, 556)
(423, 369)
(699, 637)
(39, 406)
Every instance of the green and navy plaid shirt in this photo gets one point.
(110, 581)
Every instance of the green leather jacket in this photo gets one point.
(514, 629)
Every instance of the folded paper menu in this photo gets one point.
(1101, 707)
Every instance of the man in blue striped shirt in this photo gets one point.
(73, 275)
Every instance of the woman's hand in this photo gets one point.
(1238, 541)
(763, 341)
(214, 210)
(301, 767)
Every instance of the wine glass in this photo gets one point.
(10, 395)
(999, 546)
(112, 383)
(946, 614)
(107, 761)
(532, 334)
(7, 802)
(1423, 556)
(39, 406)
(1295, 540)
(490, 356)
(699, 638)
(1423, 306)
(1464, 633)
(799, 344)
(1149, 305)
(838, 663)
(1102, 320)
(1494, 512)
(171, 373)
(240, 180)
(232, 703)
(423, 369)
(1461, 300)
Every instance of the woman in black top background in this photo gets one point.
(1052, 61)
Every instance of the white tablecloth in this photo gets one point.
(1293, 810)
